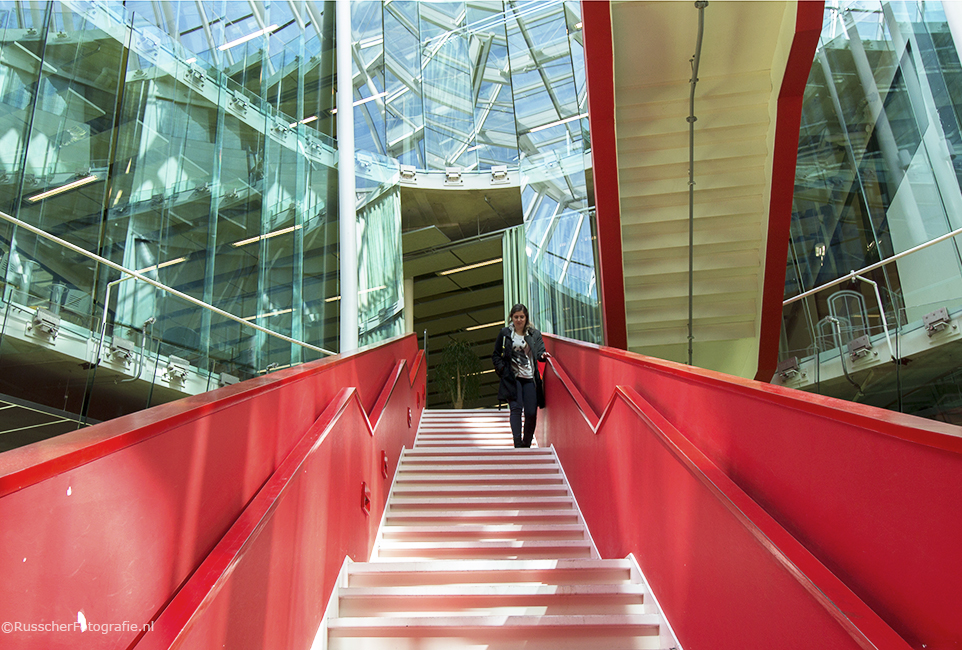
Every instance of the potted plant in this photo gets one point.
(458, 376)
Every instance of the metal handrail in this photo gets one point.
(695, 60)
(871, 267)
(163, 287)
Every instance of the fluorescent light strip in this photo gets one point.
(273, 313)
(481, 327)
(360, 293)
(558, 123)
(282, 231)
(472, 266)
(249, 37)
(162, 265)
(369, 99)
(80, 182)
(363, 101)
(306, 120)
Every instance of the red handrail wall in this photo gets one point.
(110, 521)
(266, 584)
(727, 576)
(872, 494)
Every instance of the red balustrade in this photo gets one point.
(870, 496)
(216, 496)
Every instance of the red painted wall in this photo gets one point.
(808, 28)
(110, 521)
(268, 581)
(600, 75)
(873, 495)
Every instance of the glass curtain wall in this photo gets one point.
(431, 84)
(472, 85)
(878, 174)
(190, 141)
(547, 64)
(379, 265)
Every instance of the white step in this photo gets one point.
(550, 572)
(484, 531)
(482, 547)
(477, 489)
(484, 467)
(426, 477)
(547, 632)
(486, 549)
(492, 516)
(447, 455)
(499, 599)
(480, 503)
(461, 451)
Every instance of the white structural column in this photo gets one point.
(953, 16)
(408, 305)
(346, 202)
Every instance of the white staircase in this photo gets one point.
(735, 105)
(483, 546)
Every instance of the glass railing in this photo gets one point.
(102, 361)
(210, 171)
(906, 359)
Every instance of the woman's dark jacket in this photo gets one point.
(501, 358)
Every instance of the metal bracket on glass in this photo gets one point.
(499, 174)
(936, 321)
(282, 130)
(788, 369)
(228, 380)
(176, 369)
(409, 174)
(860, 347)
(122, 350)
(45, 322)
(239, 104)
(452, 176)
(196, 77)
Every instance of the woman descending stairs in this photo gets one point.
(483, 546)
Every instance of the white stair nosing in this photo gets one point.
(499, 589)
(465, 623)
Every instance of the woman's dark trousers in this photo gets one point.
(527, 401)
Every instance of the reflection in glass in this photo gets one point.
(878, 174)
(190, 142)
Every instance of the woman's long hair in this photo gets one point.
(527, 318)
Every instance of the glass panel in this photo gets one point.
(379, 264)
(877, 175)
(174, 139)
